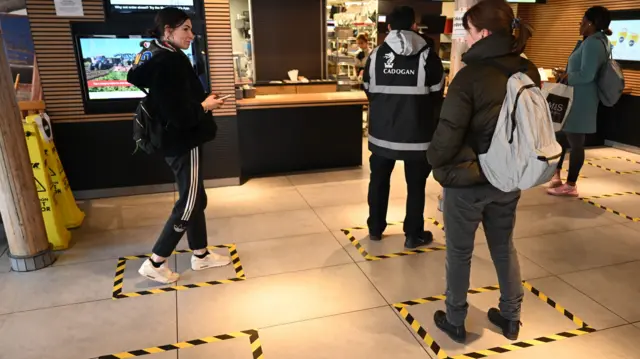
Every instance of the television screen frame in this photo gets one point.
(630, 14)
(121, 30)
(195, 10)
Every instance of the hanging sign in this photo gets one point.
(458, 29)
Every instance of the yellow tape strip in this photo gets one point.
(589, 200)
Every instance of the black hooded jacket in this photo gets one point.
(471, 109)
(175, 95)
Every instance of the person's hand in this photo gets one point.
(564, 78)
(212, 103)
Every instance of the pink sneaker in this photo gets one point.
(555, 182)
(564, 191)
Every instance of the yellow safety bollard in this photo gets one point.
(57, 233)
(72, 216)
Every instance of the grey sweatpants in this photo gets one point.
(464, 209)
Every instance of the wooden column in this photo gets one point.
(19, 204)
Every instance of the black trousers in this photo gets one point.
(188, 212)
(575, 141)
(416, 174)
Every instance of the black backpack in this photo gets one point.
(148, 132)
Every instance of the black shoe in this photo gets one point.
(375, 237)
(458, 334)
(510, 328)
(413, 242)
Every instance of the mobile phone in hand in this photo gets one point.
(224, 97)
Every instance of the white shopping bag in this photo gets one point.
(560, 99)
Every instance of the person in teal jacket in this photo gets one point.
(582, 71)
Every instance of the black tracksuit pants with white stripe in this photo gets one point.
(188, 212)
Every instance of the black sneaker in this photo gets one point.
(510, 328)
(375, 237)
(458, 334)
(413, 242)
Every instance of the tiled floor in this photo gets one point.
(310, 293)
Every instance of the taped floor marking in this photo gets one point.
(118, 281)
(589, 161)
(356, 243)
(582, 329)
(590, 201)
(254, 339)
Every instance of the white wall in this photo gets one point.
(237, 7)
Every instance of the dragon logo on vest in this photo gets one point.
(390, 57)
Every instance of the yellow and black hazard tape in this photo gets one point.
(590, 161)
(254, 339)
(590, 200)
(582, 329)
(348, 232)
(118, 281)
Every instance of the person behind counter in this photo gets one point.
(404, 80)
(177, 98)
(363, 55)
(582, 71)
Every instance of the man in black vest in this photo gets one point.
(404, 81)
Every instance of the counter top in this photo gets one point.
(304, 100)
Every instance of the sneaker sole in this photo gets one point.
(156, 279)
(211, 266)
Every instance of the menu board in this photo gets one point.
(625, 41)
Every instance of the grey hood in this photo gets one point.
(404, 42)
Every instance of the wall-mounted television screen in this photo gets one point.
(106, 61)
(625, 40)
(146, 6)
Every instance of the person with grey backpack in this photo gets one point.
(594, 78)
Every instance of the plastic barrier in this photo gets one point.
(72, 216)
(57, 233)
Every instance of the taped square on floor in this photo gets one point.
(348, 232)
(592, 201)
(582, 327)
(592, 162)
(118, 281)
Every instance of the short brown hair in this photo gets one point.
(497, 17)
(363, 37)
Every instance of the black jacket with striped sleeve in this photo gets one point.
(404, 81)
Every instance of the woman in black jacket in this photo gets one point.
(467, 123)
(178, 100)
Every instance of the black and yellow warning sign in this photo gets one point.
(254, 340)
(348, 232)
(591, 201)
(582, 329)
(118, 281)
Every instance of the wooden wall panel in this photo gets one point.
(55, 54)
(556, 25)
(218, 23)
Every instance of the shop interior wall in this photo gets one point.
(96, 149)
(556, 25)
(288, 35)
(421, 7)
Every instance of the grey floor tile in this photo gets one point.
(633, 225)
(423, 275)
(292, 254)
(62, 285)
(627, 204)
(91, 329)
(343, 193)
(134, 282)
(354, 215)
(242, 201)
(264, 226)
(274, 300)
(538, 319)
(239, 348)
(189, 276)
(148, 215)
(96, 246)
(582, 249)
(585, 308)
(615, 287)
(322, 177)
(618, 343)
(267, 183)
(5, 265)
(370, 334)
(618, 164)
(537, 220)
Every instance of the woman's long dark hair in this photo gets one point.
(169, 16)
(497, 17)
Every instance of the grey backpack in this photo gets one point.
(610, 79)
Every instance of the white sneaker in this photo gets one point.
(211, 261)
(162, 275)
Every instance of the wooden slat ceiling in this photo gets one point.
(55, 54)
(556, 25)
